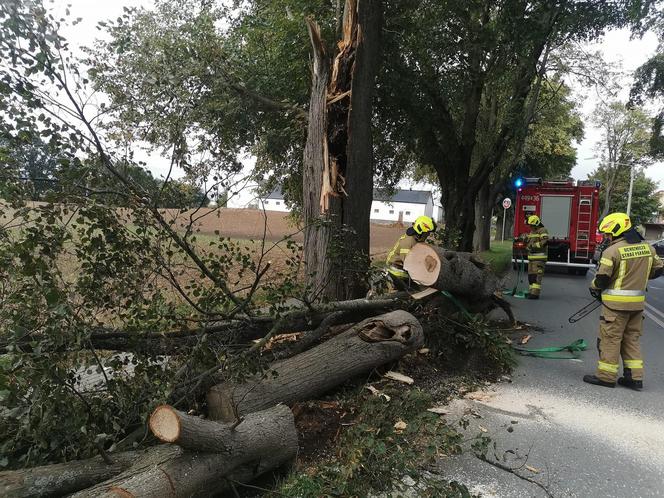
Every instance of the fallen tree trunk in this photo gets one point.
(63, 478)
(371, 343)
(462, 274)
(261, 442)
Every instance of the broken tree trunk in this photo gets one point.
(462, 274)
(222, 453)
(63, 478)
(371, 343)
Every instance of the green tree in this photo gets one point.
(625, 143)
(645, 204)
(649, 82)
(436, 90)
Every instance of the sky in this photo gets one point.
(616, 47)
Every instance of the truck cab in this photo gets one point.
(570, 213)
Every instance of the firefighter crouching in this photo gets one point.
(421, 229)
(536, 240)
(621, 281)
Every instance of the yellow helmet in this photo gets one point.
(615, 224)
(424, 224)
(533, 220)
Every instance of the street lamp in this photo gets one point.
(631, 181)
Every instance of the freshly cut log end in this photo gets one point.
(165, 424)
(460, 273)
(423, 264)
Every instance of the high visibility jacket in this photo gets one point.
(396, 256)
(537, 241)
(628, 268)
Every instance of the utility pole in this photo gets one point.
(631, 187)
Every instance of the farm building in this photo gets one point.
(404, 205)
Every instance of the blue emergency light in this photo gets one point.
(518, 182)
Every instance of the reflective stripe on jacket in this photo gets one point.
(537, 241)
(398, 253)
(629, 266)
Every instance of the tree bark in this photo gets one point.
(63, 478)
(371, 343)
(338, 156)
(483, 215)
(462, 274)
(261, 442)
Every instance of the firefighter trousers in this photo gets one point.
(619, 336)
(535, 275)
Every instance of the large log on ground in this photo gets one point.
(462, 274)
(261, 442)
(371, 343)
(63, 478)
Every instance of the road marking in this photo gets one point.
(653, 318)
(652, 309)
(655, 287)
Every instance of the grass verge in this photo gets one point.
(499, 256)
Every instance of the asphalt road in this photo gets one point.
(575, 439)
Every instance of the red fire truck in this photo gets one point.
(569, 212)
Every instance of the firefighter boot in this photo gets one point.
(591, 379)
(627, 381)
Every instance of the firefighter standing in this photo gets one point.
(537, 241)
(421, 229)
(621, 281)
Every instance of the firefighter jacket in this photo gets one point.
(537, 241)
(623, 273)
(397, 254)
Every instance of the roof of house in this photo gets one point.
(409, 196)
(276, 193)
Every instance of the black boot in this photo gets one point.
(591, 379)
(627, 381)
(532, 296)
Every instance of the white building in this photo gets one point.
(404, 205)
(274, 202)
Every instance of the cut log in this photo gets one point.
(462, 274)
(263, 441)
(371, 343)
(63, 478)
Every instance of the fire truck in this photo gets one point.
(569, 212)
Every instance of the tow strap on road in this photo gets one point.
(574, 348)
(520, 271)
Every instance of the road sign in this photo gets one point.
(507, 203)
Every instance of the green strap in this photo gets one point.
(574, 348)
(456, 302)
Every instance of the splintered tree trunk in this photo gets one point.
(241, 452)
(371, 343)
(338, 156)
(63, 478)
(462, 274)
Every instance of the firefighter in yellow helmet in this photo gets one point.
(536, 240)
(621, 280)
(418, 232)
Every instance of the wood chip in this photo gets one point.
(400, 426)
(479, 396)
(399, 377)
(533, 469)
(376, 392)
(525, 339)
(438, 410)
(424, 351)
(483, 429)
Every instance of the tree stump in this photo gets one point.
(371, 343)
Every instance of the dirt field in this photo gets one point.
(251, 223)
